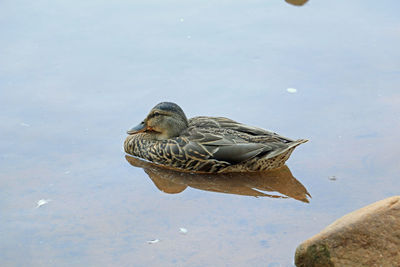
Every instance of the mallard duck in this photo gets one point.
(206, 144)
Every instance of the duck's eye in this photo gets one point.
(154, 114)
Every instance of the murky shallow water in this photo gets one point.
(75, 76)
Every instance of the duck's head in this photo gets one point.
(166, 120)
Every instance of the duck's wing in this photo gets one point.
(218, 124)
(229, 148)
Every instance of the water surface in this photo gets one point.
(74, 76)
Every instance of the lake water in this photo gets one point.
(75, 75)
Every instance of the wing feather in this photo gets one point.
(229, 148)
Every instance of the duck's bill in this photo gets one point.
(141, 127)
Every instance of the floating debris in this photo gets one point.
(23, 124)
(332, 178)
(291, 90)
(42, 202)
(189, 37)
(153, 241)
(67, 172)
(181, 19)
(183, 230)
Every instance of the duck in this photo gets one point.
(206, 144)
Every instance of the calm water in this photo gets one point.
(75, 75)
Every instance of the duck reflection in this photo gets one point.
(245, 183)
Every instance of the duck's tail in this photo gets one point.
(299, 142)
(289, 149)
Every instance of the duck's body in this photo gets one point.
(207, 144)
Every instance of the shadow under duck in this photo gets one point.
(278, 183)
(206, 144)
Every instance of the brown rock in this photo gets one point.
(296, 2)
(369, 236)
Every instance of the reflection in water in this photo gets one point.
(247, 184)
(296, 2)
